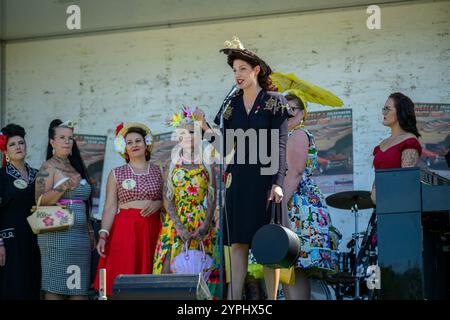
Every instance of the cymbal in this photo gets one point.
(347, 199)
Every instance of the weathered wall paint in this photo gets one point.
(144, 76)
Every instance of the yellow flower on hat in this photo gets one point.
(186, 116)
(176, 119)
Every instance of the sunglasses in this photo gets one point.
(292, 109)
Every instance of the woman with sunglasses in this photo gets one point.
(307, 212)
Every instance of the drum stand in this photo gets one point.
(353, 200)
(356, 237)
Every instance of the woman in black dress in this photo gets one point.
(20, 268)
(254, 109)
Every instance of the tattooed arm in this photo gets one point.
(202, 231)
(212, 200)
(44, 183)
(410, 158)
(171, 210)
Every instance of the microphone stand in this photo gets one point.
(223, 108)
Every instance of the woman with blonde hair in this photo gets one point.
(189, 198)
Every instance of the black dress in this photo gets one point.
(20, 278)
(246, 203)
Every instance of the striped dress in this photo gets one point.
(65, 255)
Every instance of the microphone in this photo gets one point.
(227, 99)
(233, 90)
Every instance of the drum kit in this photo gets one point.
(349, 282)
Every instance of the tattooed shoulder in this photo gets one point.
(410, 158)
(44, 173)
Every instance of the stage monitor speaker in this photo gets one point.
(160, 287)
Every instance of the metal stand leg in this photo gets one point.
(356, 237)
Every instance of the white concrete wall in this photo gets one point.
(146, 75)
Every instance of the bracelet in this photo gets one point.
(103, 230)
(104, 238)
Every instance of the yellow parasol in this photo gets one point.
(308, 91)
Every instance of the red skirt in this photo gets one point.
(131, 246)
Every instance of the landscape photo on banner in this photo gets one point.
(92, 149)
(162, 149)
(334, 141)
(333, 135)
(433, 123)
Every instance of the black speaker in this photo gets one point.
(160, 287)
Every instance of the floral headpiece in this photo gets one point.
(69, 124)
(121, 131)
(3, 141)
(186, 116)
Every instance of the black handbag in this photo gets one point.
(276, 246)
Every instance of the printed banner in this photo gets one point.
(92, 149)
(334, 141)
(433, 123)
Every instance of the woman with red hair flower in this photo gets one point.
(20, 267)
(131, 216)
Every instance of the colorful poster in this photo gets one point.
(433, 123)
(334, 141)
(92, 149)
(162, 148)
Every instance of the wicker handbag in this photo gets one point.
(50, 218)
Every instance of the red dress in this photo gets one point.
(392, 157)
(132, 241)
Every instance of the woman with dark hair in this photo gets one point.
(63, 179)
(256, 112)
(20, 267)
(131, 219)
(402, 149)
